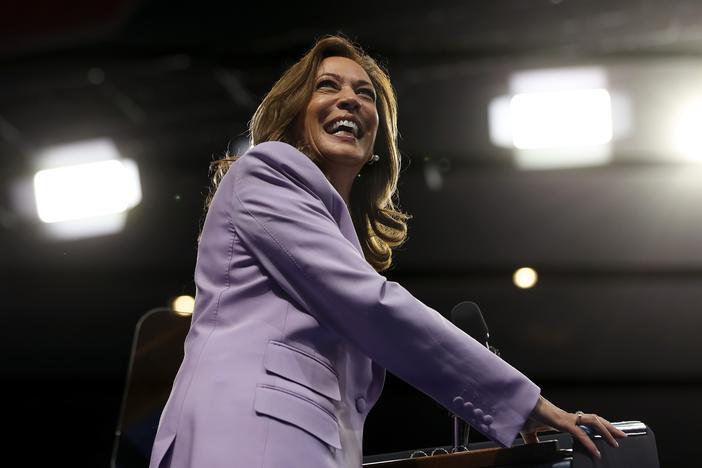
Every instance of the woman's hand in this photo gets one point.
(547, 416)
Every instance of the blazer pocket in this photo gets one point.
(303, 367)
(299, 411)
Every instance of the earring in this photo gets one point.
(373, 159)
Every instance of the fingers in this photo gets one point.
(613, 430)
(546, 413)
(604, 431)
(604, 428)
(585, 440)
(609, 431)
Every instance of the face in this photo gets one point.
(341, 119)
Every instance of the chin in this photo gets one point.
(342, 155)
(343, 160)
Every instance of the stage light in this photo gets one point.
(561, 119)
(79, 152)
(183, 305)
(556, 118)
(686, 134)
(86, 190)
(500, 121)
(525, 278)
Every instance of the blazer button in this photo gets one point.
(478, 413)
(487, 419)
(458, 401)
(360, 404)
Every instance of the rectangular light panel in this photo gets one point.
(86, 190)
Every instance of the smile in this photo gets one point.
(339, 127)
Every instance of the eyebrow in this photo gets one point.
(338, 77)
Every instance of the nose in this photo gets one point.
(348, 100)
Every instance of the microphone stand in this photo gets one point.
(458, 441)
(456, 432)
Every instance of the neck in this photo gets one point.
(342, 180)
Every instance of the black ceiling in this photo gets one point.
(150, 69)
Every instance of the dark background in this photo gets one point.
(611, 327)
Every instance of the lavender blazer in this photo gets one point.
(293, 330)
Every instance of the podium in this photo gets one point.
(638, 450)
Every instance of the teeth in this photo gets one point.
(345, 123)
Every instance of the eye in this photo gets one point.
(370, 93)
(327, 83)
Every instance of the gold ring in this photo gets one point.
(579, 415)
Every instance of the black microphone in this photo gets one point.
(468, 318)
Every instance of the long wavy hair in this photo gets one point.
(379, 223)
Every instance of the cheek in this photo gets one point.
(375, 116)
(313, 118)
(311, 127)
(376, 123)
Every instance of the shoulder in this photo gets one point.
(274, 163)
(284, 159)
(278, 153)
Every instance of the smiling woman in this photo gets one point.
(293, 327)
(337, 79)
(341, 121)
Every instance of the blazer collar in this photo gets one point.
(300, 168)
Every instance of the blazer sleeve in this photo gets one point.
(291, 232)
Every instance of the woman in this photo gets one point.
(293, 326)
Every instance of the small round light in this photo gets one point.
(183, 305)
(525, 278)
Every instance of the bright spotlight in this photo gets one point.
(86, 190)
(552, 120)
(555, 118)
(183, 305)
(525, 278)
(687, 137)
(561, 119)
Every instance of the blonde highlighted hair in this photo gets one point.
(379, 224)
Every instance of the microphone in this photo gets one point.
(468, 317)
